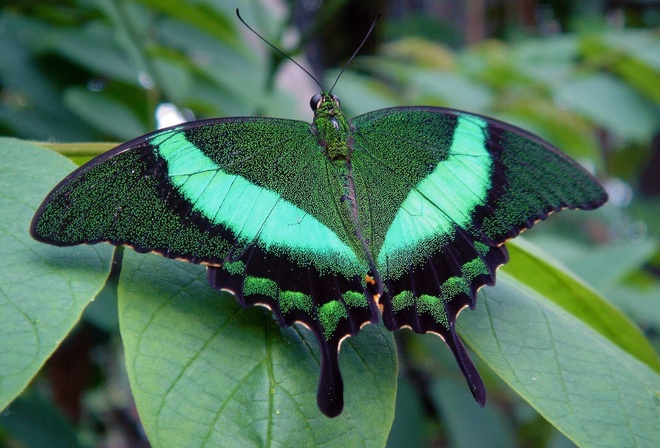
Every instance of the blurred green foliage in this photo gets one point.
(98, 70)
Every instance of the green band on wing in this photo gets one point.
(329, 316)
(474, 268)
(403, 300)
(234, 268)
(454, 286)
(259, 286)
(435, 307)
(482, 248)
(457, 186)
(252, 213)
(295, 300)
(355, 299)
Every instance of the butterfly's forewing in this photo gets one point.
(441, 191)
(251, 198)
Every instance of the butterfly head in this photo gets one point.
(324, 101)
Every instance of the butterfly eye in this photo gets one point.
(335, 99)
(315, 102)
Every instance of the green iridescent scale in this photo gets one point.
(399, 213)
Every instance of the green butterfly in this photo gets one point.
(401, 213)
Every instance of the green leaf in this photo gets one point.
(538, 271)
(591, 390)
(440, 87)
(52, 429)
(409, 426)
(202, 15)
(607, 266)
(453, 90)
(631, 54)
(32, 105)
(548, 60)
(610, 269)
(43, 289)
(205, 372)
(621, 109)
(104, 113)
(93, 46)
(469, 425)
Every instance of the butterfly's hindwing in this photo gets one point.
(331, 306)
(428, 296)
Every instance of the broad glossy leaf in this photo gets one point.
(103, 112)
(32, 106)
(93, 46)
(622, 110)
(530, 266)
(591, 390)
(202, 15)
(205, 372)
(20, 419)
(608, 268)
(467, 424)
(43, 289)
(631, 54)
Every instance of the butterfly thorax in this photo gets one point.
(330, 126)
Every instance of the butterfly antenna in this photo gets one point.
(371, 29)
(278, 50)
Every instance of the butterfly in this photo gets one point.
(400, 214)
